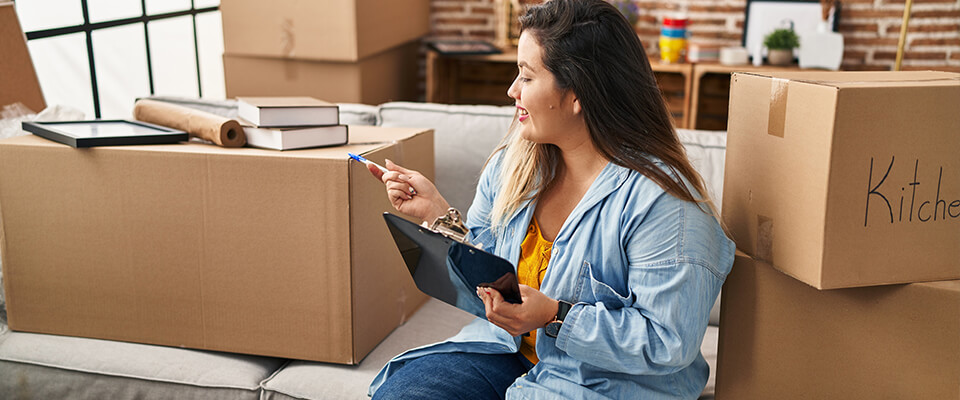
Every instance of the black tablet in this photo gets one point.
(105, 132)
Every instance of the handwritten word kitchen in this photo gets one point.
(921, 208)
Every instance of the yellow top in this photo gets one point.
(534, 257)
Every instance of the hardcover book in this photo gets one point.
(287, 111)
(291, 138)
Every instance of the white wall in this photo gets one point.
(120, 53)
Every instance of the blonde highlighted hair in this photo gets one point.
(526, 169)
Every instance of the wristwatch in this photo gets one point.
(553, 327)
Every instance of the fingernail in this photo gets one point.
(403, 177)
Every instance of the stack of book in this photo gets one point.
(287, 123)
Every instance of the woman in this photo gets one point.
(592, 197)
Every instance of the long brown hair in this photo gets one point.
(592, 50)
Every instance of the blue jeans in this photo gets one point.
(450, 376)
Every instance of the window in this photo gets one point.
(100, 55)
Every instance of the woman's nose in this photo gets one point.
(513, 91)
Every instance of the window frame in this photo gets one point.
(88, 28)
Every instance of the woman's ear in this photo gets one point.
(576, 105)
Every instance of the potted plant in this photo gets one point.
(780, 44)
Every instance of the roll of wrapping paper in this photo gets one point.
(222, 131)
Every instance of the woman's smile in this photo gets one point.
(523, 113)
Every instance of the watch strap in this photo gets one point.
(562, 309)
(552, 329)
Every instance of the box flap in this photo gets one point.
(368, 134)
(19, 79)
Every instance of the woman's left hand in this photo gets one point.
(536, 310)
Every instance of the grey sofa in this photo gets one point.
(36, 366)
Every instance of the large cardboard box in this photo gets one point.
(18, 79)
(782, 339)
(281, 254)
(844, 179)
(330, 30)
(388, 76)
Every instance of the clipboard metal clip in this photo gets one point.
(451, 225)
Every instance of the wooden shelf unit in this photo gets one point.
(674, 81)
(697, 94)
(470, 79)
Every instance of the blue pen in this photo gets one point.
(367, 162)
(410, 189)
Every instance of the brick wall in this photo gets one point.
(870, 28)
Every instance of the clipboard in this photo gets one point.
(450, 270)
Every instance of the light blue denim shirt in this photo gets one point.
(642, 269)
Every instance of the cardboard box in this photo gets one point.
(18, 81)
(281, 254)
(844, 179)
(329, 30)
(387, 76)
(782, 339)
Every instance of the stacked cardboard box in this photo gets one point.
(360, 51)
(843, 191)
(240, 250)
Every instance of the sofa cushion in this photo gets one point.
(709, 350)
(305, 380)
(40, 366)
(434, 321)
(464, 136)
(358, 114)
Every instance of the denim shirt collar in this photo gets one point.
(609, 179)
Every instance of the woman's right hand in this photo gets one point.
(423, 202)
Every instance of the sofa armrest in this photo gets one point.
(706, 151)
